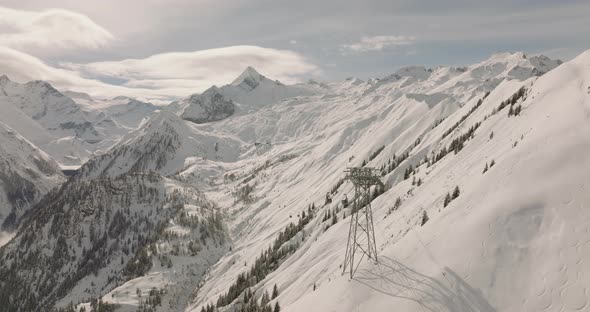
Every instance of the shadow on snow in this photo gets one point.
(450, 293)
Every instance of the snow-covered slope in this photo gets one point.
(269, 165)
(26, 174)
(513, 240)
(120, 111)
(55, 112)
(71, 131)
(89, 237)
(162, 144)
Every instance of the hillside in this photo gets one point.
(223, 209)
(89, 237)
(513, 240)
(162, 144)
(26, 175)
(71, 127)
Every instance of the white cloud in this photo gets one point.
(22, 67)
(160, 77)
(50, 30)
(200, 69)
(377, 43)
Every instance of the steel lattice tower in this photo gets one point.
(361, 234)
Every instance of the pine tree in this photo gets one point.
(485, 169)
(265, 299)
(447, 200)
(456, 192)
(277, 307)
(398, 203)
(424, 218)
(275, 292)
(492, 163)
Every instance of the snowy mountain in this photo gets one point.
(121, 111)
(51, 109)
(254, 90)
(483, 208)
(249, 92)
(207, 107)
(498, 246)
(26, 174)
(71, 130)
(90, 237)
(162, 144)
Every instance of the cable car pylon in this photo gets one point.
(361, 232)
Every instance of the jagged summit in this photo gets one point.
(505, 56)
(417, 72)
(78, 95)
(122, 97)
(520, 58)
(512, 65)
(544, 63)
(4, 79)
(249, 77)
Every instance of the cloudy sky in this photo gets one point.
(165, 49)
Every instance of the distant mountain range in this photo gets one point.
(212, 202)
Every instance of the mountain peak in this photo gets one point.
(209, 106)
(249, 78)
(503, 57)
(4, 79)
(77, 95)
(418, 72)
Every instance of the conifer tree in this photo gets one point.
(456, 192)
(424, 218)
(398, 203)
(265, 299)
(275, 292)
(447, 200)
